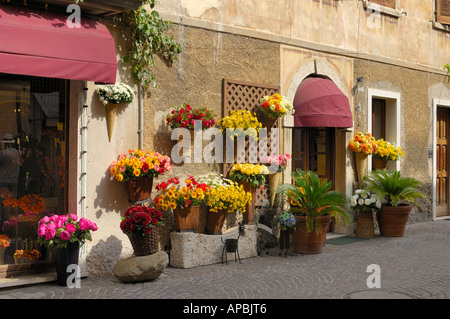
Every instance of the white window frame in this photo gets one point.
(393, 102)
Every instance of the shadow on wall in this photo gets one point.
(111, 196)
(102, 257)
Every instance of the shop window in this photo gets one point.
(443, 11)
(32, 165)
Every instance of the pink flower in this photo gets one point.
(44, 220)
(73, 217)
(65, 235)
(93, 226)
(71, 228)
(50, 231)
(85, 224)
(58, 222)
(41, 230)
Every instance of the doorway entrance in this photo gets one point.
(442, 161)
(313, 150)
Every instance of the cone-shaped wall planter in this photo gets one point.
(361, 165)
(111, 110)
(274, 180)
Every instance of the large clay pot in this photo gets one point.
(392, 220)
(187, 219)
(310, 242)
(364, 226)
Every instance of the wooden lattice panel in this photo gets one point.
(245, 96)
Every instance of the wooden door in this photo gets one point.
(442, 185)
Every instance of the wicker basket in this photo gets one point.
(147, 244)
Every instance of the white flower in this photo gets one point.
(378, 204)
(367, 201)
(361, 201)
(353, 202)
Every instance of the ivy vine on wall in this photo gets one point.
(447, 66)
(149, 40)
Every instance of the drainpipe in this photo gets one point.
(141, 117)
(83, 151)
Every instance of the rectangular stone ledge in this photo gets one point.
(192, 249)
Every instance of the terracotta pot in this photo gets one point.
(364, 226)
(379, 163)
(249, 214)
(310, 242)
(139, 189)
(392, 220)
(187, 219)
(215, 221)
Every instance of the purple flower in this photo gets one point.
(65, 235)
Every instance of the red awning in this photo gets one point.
(41, 44)
(318, 102)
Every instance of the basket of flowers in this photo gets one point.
(362, 145)
(184, 116)
(364, 203)
(274, 107)
(140, 223)
(25, 256)
(386, 151)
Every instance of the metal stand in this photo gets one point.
(231, 245)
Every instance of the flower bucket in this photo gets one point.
(63, 258)
(187, 219)
(249, 214)
(274, 180)
(379, 163)
(215, 221)
(139, 189)
(310, 242)
(270, 121)
(364, 226)
(146, 244)
(361, 165)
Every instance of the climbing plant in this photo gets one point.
(147, 41)
(447, 66)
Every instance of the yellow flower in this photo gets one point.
(119, 177)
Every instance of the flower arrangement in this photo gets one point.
(140, 219)
(4, 241)
(214, 180)
(175, 196)
(230, 197)
(251, 173)
(28, 203)
(26, 256)
(184, 116)
(363, 143)
(388, 151)
(287, 220)
(279, 160)
(276, 106)
(362, 200)
(115, 93)
(241, 122)
(59, 230)
(138, 164)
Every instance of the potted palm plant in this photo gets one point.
(398, 194)
(314, 204)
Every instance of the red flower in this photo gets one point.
(265, 104)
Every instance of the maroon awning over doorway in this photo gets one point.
(318, 102)
(42, 44)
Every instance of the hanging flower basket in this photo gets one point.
(139, 189)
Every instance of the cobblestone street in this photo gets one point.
(414, 266)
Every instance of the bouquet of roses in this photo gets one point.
(363, 200)
(140, 219)
(184, 116)
(279, 161)
(59, 230)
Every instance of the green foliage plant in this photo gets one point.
(312, 198)
(447, 66)
(393, 188)
(148, 39)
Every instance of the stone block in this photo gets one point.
(141, 268)
(193, 249)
